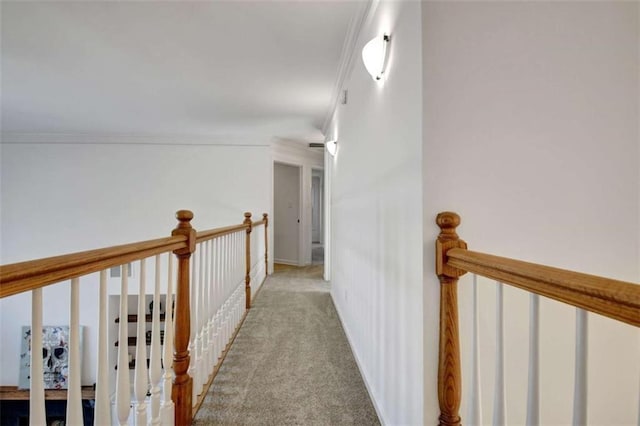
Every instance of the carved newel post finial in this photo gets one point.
(184, 218)
(448, 222)
(448, 239)
(247, 221)
(449, 376)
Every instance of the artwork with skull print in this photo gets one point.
(55, 356)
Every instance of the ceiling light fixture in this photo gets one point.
(374, 56)
(332, 147)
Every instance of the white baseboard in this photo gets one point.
(381, 417)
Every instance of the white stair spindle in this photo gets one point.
(580, 379)
(74, 392)
(37, 415)
(211, 359)
(193, 351)
(141, 386)
(201, 284)
(499, 402)
(214, 300)
(218, 287)
(155, 367)
(533, 391)
(475, 407)
(102, 413)
(167, 408)
(123, 389)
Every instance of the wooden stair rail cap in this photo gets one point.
(447, 240)
(184, 228)
(247, 221)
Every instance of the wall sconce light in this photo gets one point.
(332, 147)
(374, 55)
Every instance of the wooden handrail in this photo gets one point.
(258, 223)
(26, 276)
(218, 232)
(612, 298)
(19, 277)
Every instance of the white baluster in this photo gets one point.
(240, 257)
(193, 364)
(102, 413)
(220, 328)
(580, 379)
(200, 344)
(533, 391)
(475, 408)
(141, 385)
(227, 280)
(211, 307)
(499, 402)
(214, 301)
(155, 367)
(123, 390)
(37, 415)
(74, 392)
(167, 408)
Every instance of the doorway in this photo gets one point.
(317, 216)
(286, 220)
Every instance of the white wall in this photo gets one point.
(531, 134)
(286, 213)
(376, 238)
(60, 198)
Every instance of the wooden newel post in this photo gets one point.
(247, 278)
(265, 217)
(182, 383)
(449, 377)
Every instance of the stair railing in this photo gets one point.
(212, 295)
(615, 299)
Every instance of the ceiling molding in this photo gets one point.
(358, 22)
(131, 139)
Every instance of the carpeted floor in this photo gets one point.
(290, 363)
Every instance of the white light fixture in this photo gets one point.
(374, 56)
(332, 147)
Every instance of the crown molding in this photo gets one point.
(358, 22)
(131, 139)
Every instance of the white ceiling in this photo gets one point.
(172, 68)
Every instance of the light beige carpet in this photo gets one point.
(290, 363)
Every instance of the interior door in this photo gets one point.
(286, 203)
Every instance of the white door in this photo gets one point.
(286, 221)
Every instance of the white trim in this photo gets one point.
(378, 409)
(347, 56)
(131, 139)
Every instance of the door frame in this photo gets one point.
(322, 203)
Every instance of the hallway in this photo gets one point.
(290, 363)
